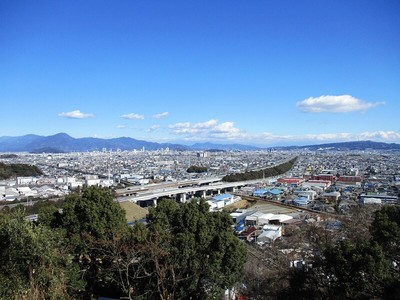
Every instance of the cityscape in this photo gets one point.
(351, 172)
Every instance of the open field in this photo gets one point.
(266, 207)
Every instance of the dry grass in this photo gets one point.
(240, 204)
(133, 211)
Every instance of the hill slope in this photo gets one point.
(15, 170)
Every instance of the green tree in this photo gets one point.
(344, 271)
(194, 252)
(13, 170)
(268, 172)
(49, 215)
(356, 271)
(385, 230)
(90, 217)
(32, 260)
(196, 169)
(93, 212)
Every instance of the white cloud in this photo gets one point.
(380, 135)
(121, 126)
(132, 116)
(210, 129)
(153, 128)
(226, 130)
(161, 115)
(335, 104)
(189, 128)
(75, 114)
(215, 131)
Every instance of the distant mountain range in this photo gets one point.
(62, 142)
(224, 147)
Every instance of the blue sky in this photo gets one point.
(256, 72)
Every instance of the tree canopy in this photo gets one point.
(184, 252)
(87, 250)
(33, 261)
(207, 257)
(268, 172)
(14, 170)
(385, 230)
(93, 212)
(196, 169)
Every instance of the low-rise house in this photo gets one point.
(350, 180)
(256, 218)
(221, 200)
(249, 234)
(270, 193)
(280, 219)
(2, 191)
(26, 191)
(75, 185)
(25, 180)
(374, 198)
(261, 193)
(90, 182)
(331, 197)
(8, 182)
(310, 194)
(324, 184)
(325, 177)
(269, 233)
(276, 194)
(240, 215)
(301, 201)
(10, 194)
(291, 181)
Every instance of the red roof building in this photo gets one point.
(291, 180)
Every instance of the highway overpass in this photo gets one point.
(183, 190)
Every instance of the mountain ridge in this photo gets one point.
(65, 143)
(62, 142)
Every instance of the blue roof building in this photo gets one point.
(261, 193)
(275, 192)
(222, 197)
(301, 201)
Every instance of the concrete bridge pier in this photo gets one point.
(183, 197)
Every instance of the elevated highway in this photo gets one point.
(135, 190)
(182, 190)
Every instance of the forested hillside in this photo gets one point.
(14, 170)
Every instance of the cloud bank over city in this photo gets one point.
(213, 130)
